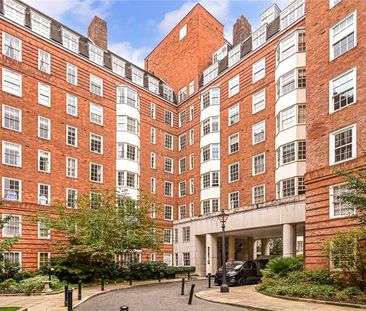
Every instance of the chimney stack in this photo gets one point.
(97, 32)
(241, 30)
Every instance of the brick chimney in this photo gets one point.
(97, 32)
(241, 30)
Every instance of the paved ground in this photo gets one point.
(163, 297)
(248, 297)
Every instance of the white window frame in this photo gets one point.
(44, 91)
(49, 161)
(96, 54)
(19, 112)
(42, 53)
(333, 3)
(101, 173)
(73, 40)
(344, 33)
(264, 193)
(48, 237)
(5, 225)
(259, 70)
(332, 200)
(76, 167)
(68, 97)
(264, 163)
(19, 146)
(98, 82)
(40, 25)
(234, 86)
(49, 127)
(93, 105)
(229, 172)
(256, 99)
(3, 189)
(69, 67)
(76, 136)
(261, 123)
(8, 37)
(232, 112)
(39, 192)
(230, 143)
(101, 143)
(14, 11)
(137, 76)
(234, 55)
(17, 77)
(353, 73)
(332, 144)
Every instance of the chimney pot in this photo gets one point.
(242, 29)
(97, 32)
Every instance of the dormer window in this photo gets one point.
(210, 73)
(219, 54)
(292, 13)
(70, 41)
(96, 54)
(168, 93)
(259, 37)
(14, 11)
(234, 55)
(118, 66)
(137, 76)
(154, 85)
(270, 14)
(41, 25)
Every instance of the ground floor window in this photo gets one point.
(186, 259)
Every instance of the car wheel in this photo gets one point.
(242, 281)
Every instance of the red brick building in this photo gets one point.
(336, 120)
(206, 126)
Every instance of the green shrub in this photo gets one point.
(297, 290)
(351, 291)
(9, 286)
(36, 284)
(316, 277)
(322, 291)
(148, 270)
(175, 270)
(283, 266)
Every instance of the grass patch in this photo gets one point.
(9, 308)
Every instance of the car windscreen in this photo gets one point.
(233, 265)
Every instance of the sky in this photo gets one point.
(135, 27)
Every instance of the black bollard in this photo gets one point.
(209, 280)
(123, 308)
(191, 294)
(66, 289)
(130, 281)
(79, 289)
(182, 290)
(69, 300)
(189, 275)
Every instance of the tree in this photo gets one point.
(347, 254)
(356, 194)
(106, 223)
(347, 250)
(103, 225)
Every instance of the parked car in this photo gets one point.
(241, 272)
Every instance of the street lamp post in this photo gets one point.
(224, 288)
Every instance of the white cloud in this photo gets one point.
(218, 8)
(84, 10)
(127, 51)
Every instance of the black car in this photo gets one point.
(241, 272)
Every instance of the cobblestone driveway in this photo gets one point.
(160, 297)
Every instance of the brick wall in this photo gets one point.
(320, 123)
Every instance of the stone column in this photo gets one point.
(199, 248)
(211, 253)
(289, 240)
(231, 248)
(251, 248)
(265, 247)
